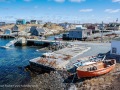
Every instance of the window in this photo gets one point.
(114, 50)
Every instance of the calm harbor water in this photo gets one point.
(13, 61)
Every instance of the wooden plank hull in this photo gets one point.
(101, 71)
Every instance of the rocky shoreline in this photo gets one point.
(108, 81)
(62, 80)
(47, 81)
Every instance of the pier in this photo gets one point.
(38, 42)
(7, 36)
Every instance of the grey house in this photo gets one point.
(33, 30)
(37, 31)
(15, 28)
(79, 33)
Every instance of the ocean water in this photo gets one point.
(13, 61)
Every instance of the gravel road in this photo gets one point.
(96, 48)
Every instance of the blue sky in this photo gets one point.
(82, 11)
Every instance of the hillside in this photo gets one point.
(50, 29)
(21, 27)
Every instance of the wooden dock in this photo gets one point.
(58, 59)
(38, 42)
(7, 36)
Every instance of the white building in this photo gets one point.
(115, 46)
(80, 27)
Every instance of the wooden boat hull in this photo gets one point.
(101, 71)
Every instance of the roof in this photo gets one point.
(14, 27)
(33, 20)
(81, 29)
(33, 28)
(40, 30)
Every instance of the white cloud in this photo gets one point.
(112, 10)
(86, 10)
(76, 0)
(116, 1)
(60, 1)
(27, 0)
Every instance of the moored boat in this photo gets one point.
(58, 38)
(96, 69)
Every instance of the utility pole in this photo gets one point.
(116, 22)
(102, 28)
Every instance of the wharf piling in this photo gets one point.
(5, 36)
(39, 42)
(35, 42)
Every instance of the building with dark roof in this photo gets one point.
(34, 22)
(15, 28)
(34, 30)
